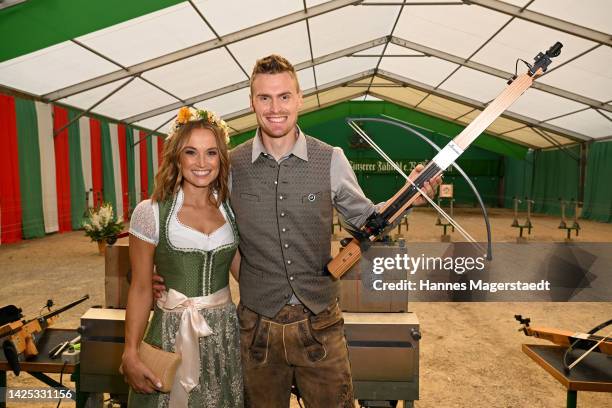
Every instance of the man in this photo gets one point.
(284, 186)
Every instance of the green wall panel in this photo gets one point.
(482, 161)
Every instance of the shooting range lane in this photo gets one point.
(470, 352)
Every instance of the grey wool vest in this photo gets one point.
(284, 215)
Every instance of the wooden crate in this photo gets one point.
(116, 274)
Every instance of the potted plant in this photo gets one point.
(100, 225)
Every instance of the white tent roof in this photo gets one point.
(448, 59)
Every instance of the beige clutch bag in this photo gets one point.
(162, 363)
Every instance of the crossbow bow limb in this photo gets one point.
(403, 125)
(396, 206)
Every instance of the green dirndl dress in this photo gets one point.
(196, 273)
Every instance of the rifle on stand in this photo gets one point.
(20, 337)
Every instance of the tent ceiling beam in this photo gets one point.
(9, 3)
(99, 54)
(498, 73)
(199, 48)
(414, 3)
(404, 104)
(384, 85)
(477, 104)
(575, 57)
(389, 56)
(567, 114)
(88, 110)
(384, 50)
(555, 143)
(472, 55)
(548, 21)
(603, 114)
(199, 13)
(245, 84)
(314, 71)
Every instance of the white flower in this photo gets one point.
(95, 222)
(106, 214)
(172, 128)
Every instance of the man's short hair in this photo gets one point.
(273, 64)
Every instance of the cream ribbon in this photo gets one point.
(192, 326)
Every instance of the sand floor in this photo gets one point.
(470, 352)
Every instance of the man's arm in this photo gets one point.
(347, 196)
(235, 266)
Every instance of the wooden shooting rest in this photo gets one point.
(594, 373)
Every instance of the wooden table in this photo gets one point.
(593, 373)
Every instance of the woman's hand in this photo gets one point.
(137, 375)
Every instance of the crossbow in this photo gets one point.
(395, 208)
(572, 340)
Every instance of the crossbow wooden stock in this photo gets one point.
(577, 340)
(396, 206)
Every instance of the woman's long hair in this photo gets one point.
(169, 177)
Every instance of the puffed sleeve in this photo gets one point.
(144, 223)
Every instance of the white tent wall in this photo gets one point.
(446, 60)
(479, 33)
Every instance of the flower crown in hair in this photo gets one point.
(187, 114)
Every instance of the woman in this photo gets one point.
(187, 231)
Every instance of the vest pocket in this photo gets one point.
(249, 197)
(249, 269)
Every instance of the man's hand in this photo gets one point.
(430, 187)
(158, 286)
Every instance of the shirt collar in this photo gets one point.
(299, 149)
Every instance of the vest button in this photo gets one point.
(291, 278)
(282, 214)
(280, 197)
(286, 245)
(275, 181)
(288, 261)
(284, 230)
